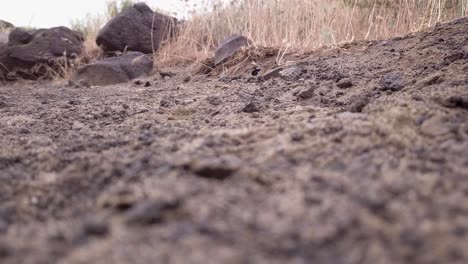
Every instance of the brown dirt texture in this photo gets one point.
(358, 155)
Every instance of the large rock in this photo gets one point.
(131, 30)
(43, 45)
(21, 36)
(28, 49)
(230, 46)
(115, 70)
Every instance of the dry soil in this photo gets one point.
(357, 154)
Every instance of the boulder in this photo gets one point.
(43, 45)
(28, 49)
(131, 30)
(230, 46)
(21, 36)
(115, 70)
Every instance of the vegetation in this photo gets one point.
(307, 24)
(292, 25)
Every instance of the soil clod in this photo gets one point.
(460, 101)
(219, 168)
(344, 83)
(394, 81)
(251, 107)
(305, 93)
(357, 104)
(150, 212)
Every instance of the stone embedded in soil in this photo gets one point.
(272, 73)
(394, 81)
(214, 100)
(150, 212)
(164, 103)
(305, 93)
(115, 70)
(250, 108)
(84, 83)
(460, 101)
(296, 136)
(291, 73)
(138, 82)
(165, 74)
(120, 200)
(344, 83)
(219, 168)
(96, 227)
(357, 103)
(230, 46)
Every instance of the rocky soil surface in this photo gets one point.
(357, 154)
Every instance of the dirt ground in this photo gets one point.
(359, 155)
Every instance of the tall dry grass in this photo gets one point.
(298, 25)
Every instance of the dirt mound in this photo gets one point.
(359, 157)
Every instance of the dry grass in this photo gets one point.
(287, 26)
(299, 25)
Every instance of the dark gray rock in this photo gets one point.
(44, 45)
(271, 73)
(133, 30)
(394, 81)
(344, 83)
(28, 49)
(250, 108)
(214, 100)
(305, 93)
(230, 46)
(167, 74)
(460, 101)
(291, 73)
(357, 104)
(21, 36)
(116, 69)
(219, 168)
(95, 227)
(151, 212)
